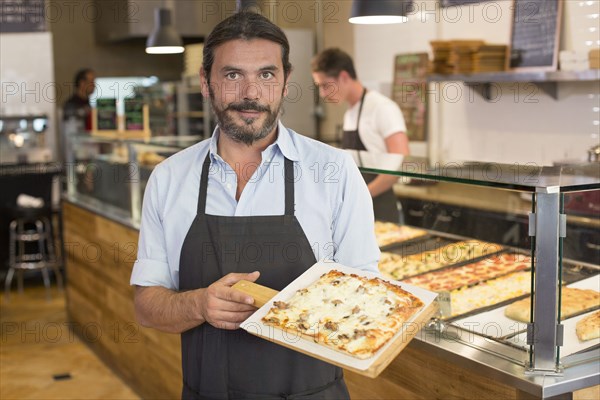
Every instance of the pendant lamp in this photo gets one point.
(379, 11)
(164, 39)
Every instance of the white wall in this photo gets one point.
(524, 124)
(27, 78)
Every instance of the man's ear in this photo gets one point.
(287, 82)
(344, 76)
(204, 83)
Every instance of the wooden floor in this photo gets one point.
(40, 358)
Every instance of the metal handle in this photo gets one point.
(592, 246)
(415, 213)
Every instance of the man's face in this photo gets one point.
(247, 85)
(89, 83)
(331, 89)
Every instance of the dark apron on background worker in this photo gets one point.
(385, 205)
(233, 364)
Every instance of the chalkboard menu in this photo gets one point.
(134, 114)
(409, 90)
(22, 16)
(535, 34)
(106, 114)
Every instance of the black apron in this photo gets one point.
(232, 364)
(384, 205)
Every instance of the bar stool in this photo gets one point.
(31, 247)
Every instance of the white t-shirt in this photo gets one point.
(380, 118)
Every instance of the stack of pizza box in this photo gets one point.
(441, 53)
(490, 58)
(467, 56)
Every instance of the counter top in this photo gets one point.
(98, 207)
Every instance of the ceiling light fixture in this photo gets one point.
(164, 39)
(378, 12)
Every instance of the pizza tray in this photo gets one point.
(411, 247)
(496, 325)
(491, 324)
(407, 242)
(370, 367)
(571, 343)
(435, 243)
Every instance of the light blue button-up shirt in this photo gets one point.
(332, 203)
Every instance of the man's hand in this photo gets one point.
(224, 307)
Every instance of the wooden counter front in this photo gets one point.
(100, 254)
(99, 258)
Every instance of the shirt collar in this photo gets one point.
(285, 143)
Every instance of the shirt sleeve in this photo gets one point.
(151, 267)
(353, 226)
(389, 119)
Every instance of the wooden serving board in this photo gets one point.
(262, 295)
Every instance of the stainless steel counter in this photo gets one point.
(507, 365)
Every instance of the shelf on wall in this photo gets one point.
(546, 80)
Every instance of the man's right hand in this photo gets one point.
(224, 307)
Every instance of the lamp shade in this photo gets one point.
(379, 11)
(164, 39)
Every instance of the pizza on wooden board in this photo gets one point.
(573, 301)
(346, 312)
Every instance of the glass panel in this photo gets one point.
(524, 177)
(580, 274)
(470, 244)
(114, 172)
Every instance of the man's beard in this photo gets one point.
(245, 133)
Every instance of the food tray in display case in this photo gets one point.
(446, 253)
(371, 366)
(571, 344)
(390, 235)
(495, 324)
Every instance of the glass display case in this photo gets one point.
(512, 250)
(514, 287)
(110, 175)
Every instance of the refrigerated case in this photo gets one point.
(541, 357)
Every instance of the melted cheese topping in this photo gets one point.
(344, 311)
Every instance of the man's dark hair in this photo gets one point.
(81, 75)
(333, 61)
(245, 25)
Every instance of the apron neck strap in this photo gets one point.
(362, 103)
(203, 185)
(289, 186)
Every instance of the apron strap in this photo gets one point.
(289, 186)
(362, 102)
(203, 186)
